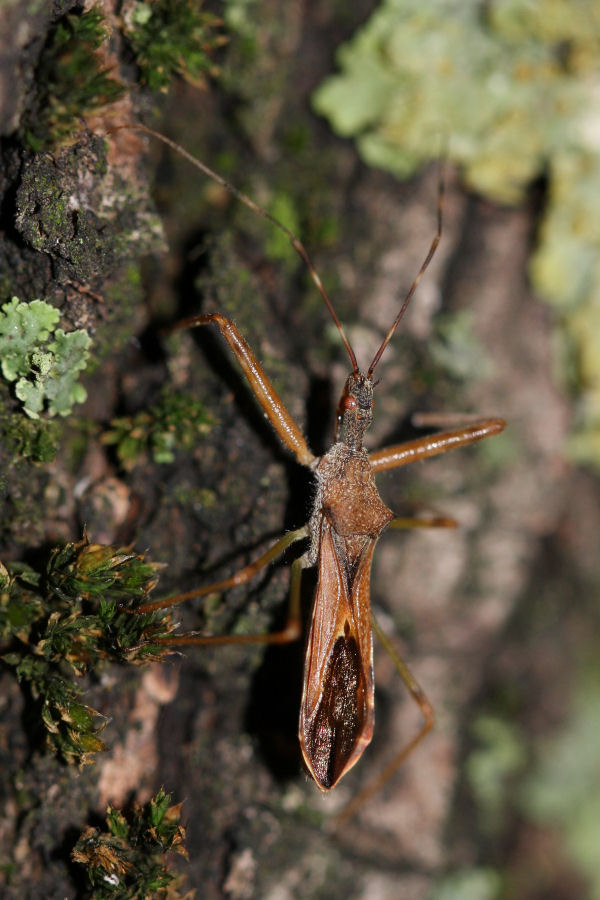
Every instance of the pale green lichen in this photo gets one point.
(512, 87)
(491, 80)
(45, 362)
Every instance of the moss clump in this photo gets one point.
(171, 37)
(175, 422)
(35, 440)
(127, 861)
(58, 625)
(72, 79)
(44, 362)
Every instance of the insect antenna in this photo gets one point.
(247, 201)
(420, 273)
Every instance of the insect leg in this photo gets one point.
(291, 631)
(444, 420)
(259, 381)
(244, 575)
(434, 444)
(420, 698)
(432, 521)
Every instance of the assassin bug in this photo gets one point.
(348, 517)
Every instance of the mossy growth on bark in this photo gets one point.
(72, 78)
(127, 861)
(64, 622)
(170, 37)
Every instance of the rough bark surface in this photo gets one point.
(217, 727)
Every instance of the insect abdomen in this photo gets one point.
(338, 721)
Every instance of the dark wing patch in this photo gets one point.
(339, 717)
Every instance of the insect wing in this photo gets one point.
(337, 711)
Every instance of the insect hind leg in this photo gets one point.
(418, 695)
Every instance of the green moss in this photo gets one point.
(510, 86)
(71, 78)
(24, 438)
(127, 860)
(185, 495)
(171, 37)
(45, 371)
(64, 622)
(175, 422)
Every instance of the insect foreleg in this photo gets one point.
(423, 522)
(434, 444)
(259, 381)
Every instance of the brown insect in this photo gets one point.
(337, 709)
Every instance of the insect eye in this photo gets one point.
(349, 402)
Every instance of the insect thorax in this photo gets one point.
(347, 497)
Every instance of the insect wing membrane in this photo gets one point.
(336, 715)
